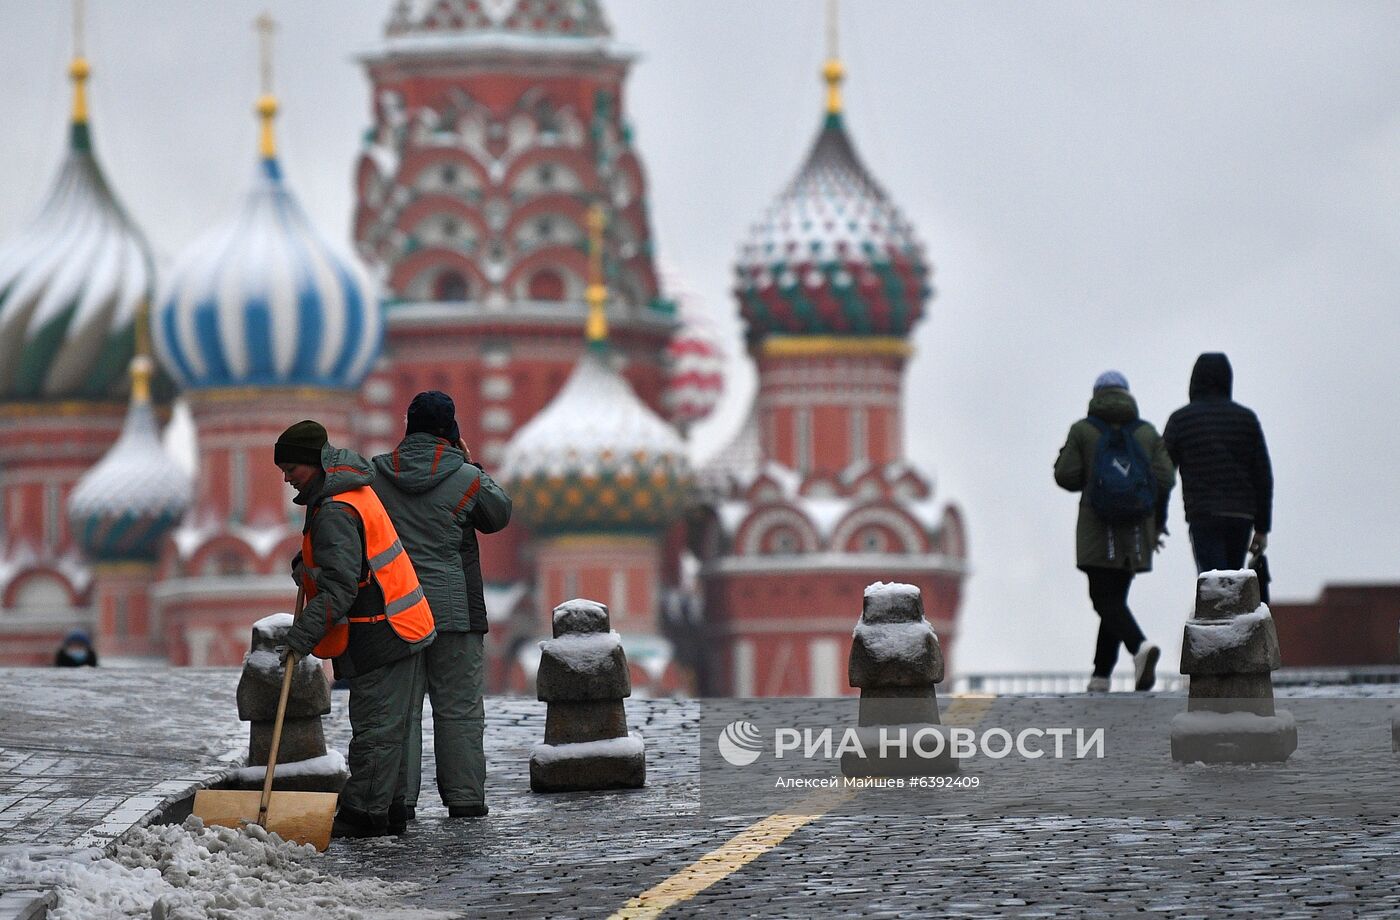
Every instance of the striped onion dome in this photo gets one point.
(122, 507)
(597, 457)
(71, 284)
(832, 255)
(695, 372)
(266, 301)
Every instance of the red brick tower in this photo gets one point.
(600, 477)
(496, 124)
(815, 500)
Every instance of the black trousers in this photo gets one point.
(1108, 591)
(1220, 542)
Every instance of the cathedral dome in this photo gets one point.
(72, 282)
(694, 364)
(832, 255)
(122, 507)
(266, 301)
(597, 457)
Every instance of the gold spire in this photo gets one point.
(833, 71)
(597, 292)
(142, 367)
(79, 69)
(267, 102)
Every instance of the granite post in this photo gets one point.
(1229, 651)
(895, 662)
(583, 680)
(303, 763)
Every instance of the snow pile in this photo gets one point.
(584, 653)
(193, 872)
(890, 589)
(1207, 637)
(273, 625)
(1223, 586)
(630, 746)
(331, 763)
(887, 641)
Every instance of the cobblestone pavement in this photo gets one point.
(82, 755)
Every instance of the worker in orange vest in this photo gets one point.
(365, 610)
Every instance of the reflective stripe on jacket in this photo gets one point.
(405, 606)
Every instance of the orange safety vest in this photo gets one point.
(405, 607)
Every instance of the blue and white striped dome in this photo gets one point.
(266, 301)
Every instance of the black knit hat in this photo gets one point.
(434, 412)
(300, 443)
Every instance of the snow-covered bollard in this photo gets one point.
(1395, 731)
(895, 662)
(303, 764)
(582, 680)
(1229, 650)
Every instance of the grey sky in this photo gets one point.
(1098, 185)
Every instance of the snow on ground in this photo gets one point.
(192, 872)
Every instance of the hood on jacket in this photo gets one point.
(344, 469)
(1212, 376)
(419, 463)
(1114, 405)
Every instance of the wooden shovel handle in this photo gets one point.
(277, 725)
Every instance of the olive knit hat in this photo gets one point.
(300, 443)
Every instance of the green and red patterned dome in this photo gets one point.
(832, 255)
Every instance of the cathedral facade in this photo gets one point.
(501, 251)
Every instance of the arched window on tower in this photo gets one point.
(546, 284)
(450, 286)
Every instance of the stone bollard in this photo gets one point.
(1228, 652)
(895, 662)
(582, 680)
(1395, 731)
(303, 764)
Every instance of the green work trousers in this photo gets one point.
(453, 678)
(379, 711)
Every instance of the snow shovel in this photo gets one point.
(301, 817)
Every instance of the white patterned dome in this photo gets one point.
(597, 457)
(122, 507)
(266, 301)
(71, 284)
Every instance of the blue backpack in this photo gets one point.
(1122, 489)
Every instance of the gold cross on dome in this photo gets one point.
(265, 26)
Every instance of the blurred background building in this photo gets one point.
(503, 254)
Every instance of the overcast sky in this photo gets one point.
(1098, 185)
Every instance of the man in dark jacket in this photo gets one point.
(364, 609)
(1111, 554)
(1227, 481)
(439, 500)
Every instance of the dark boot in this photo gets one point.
(352, 823)
(468, 811)
(399, 816)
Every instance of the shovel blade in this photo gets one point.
(301, 817)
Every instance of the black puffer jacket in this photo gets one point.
(1218, 445)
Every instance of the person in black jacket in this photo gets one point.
(1227, 481)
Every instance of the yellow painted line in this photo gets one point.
(752, 842)
(760, 837)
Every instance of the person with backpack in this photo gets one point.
(1227, 480)
(1119, 464)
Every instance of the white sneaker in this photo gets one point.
(1145, 666)
(1098, 685)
